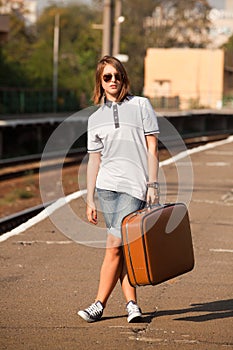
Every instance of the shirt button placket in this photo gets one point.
(116, 116)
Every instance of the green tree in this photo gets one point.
(178, 23)
(228, 63)
(133, 41)
(79, 49)
(14, 54)
(228, 50)
(26, 60)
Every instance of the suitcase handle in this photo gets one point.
(152, 206)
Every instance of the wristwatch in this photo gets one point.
(154, 185)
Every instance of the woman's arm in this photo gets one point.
(92, 171)
(153, 168)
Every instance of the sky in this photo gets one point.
(43, 3)
(219, 4)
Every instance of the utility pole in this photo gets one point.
(118, 20)
(55, 60)
(107, 28)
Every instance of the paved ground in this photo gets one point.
(45, 278)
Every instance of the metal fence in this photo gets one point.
(177, 103)
(37, 101)
(18, 101)
(165, 102)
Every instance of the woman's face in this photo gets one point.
(111, 82)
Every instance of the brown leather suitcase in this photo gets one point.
(157, 244)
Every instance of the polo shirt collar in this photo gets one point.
(109, 103)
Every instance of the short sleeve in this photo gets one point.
(94, 143)
(149, 118)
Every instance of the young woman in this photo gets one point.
(123, 169)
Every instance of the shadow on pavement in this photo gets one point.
(210, 311)
(213, 311)
(146, 317)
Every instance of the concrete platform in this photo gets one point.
(46, 277)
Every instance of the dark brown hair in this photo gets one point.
(98, 90)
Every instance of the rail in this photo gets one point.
(10, 222)
(20, 166)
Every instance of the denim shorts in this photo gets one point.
(115, 206)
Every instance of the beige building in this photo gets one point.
(194, 76)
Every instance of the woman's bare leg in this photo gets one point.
(111, 269)
(128, 290)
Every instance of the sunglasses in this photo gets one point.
(108, 77)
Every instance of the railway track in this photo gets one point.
(22, 167)
(10, 222)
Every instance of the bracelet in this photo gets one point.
(154, 185)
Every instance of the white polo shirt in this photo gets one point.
(118, 130)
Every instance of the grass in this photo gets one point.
(24, 192)
(16, 194)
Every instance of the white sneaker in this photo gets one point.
(134, 312)
(93, 313)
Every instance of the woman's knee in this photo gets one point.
(113, 250)
(113, 242)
